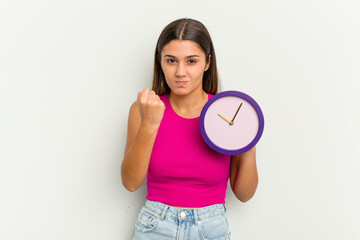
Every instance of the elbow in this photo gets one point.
(128, 184)
(130, 188)
(245, 195)
(244, 199)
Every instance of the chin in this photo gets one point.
(180, 91)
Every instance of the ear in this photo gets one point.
(208, 63)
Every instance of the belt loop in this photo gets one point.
(224, 207)
(166, 207)
(196, 219)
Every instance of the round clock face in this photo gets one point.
(231, 122)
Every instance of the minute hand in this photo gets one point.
(236, 113)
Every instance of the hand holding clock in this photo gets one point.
(150, 107)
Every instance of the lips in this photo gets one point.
(181, 83)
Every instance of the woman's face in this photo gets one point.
(183, 63)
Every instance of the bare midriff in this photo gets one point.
(184, 207)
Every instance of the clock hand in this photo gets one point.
(223, 117)
(236, 113)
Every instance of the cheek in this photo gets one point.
(197, 73)
(168, 74)
(167, 70)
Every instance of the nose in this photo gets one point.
(180, 70)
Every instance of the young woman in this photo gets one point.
(186, 179)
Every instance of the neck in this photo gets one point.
(189, 105)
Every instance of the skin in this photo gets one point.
(183, 63)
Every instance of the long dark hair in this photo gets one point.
(186, 29)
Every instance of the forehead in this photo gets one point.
(182, 48)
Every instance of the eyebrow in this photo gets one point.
(190, 56)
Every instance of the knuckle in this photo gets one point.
(143, 101)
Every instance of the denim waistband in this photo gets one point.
(184, 214)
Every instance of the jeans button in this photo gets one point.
(182, 214)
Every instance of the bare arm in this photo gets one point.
(144, 120)
(243, 175)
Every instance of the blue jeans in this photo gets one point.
(158, 221)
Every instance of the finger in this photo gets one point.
(145, 92)
(142, 96)
(153, 97)
(157, 98)
(151, 94)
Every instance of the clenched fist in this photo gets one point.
(151, 108)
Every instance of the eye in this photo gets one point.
(170, 60)
(192, 61)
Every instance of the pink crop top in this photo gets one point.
(183, 170)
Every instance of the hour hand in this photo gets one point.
(223, 117)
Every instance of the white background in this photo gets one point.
(69, 71)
